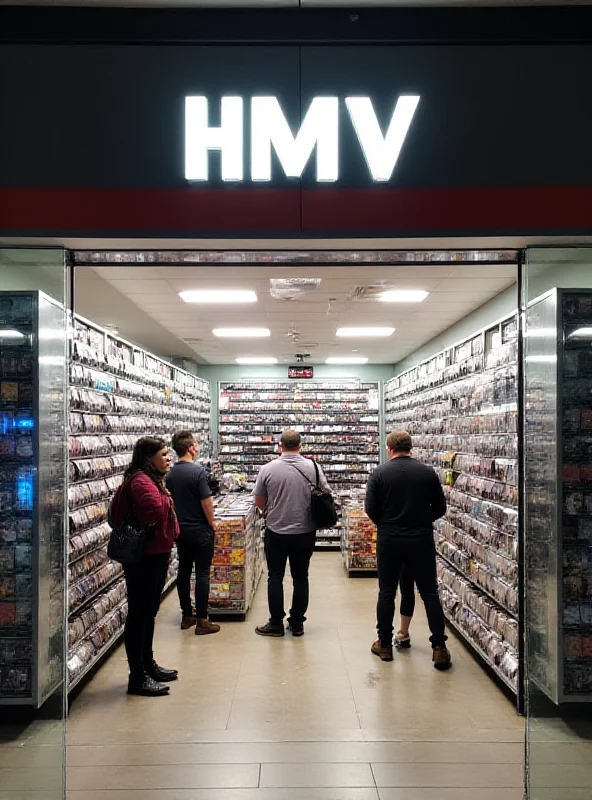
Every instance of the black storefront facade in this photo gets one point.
(95, 155)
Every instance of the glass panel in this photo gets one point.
(33, 557)
(558, 501)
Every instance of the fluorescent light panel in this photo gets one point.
(219, 296)
(353, 332)
(241, 333)
(256, 360)
(11, 333)
(346, 360)
(583, 333)
(403, 296)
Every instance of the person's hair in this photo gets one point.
(182, 441)
(144, 449)
(290, 440)
(399, 442)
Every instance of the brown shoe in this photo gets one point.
(188, 622)
(441, 658)
(384, 653)
(205, 626)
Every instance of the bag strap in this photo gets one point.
(304, 475)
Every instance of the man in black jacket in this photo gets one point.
(403, 498)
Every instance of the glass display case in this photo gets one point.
(558, 488)
(32, 496)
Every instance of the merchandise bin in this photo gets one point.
(32, 496)
(118, 393)
(238, 555)
(359, 541)
(339, 422)
(461, 409)
(558, 482)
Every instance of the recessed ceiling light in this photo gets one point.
(257, 360)
(11, 333)
(365, 331)
(241, 333)
(546, 359)
(219, 296)
(542, 333)
(403, 296)
(347, 360)
(583, 333)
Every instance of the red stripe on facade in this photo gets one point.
(495, 210)
(313, 211)
(120, 210)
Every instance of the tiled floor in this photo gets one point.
(317, 718)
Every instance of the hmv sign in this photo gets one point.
(317, 137)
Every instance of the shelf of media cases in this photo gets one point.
(461, 409)
(338, 420)
(558, 481)
(238, 555)
(87, 646)
(118, 392)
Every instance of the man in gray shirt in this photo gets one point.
(282, 491)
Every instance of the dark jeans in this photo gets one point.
(145, 582)
(195, 549)
(297, 548)
(419, 555)
(407, 590)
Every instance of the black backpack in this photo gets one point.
(322, 504)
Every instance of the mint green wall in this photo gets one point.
(495, 309)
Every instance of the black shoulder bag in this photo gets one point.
(128, 541)
(322, 504)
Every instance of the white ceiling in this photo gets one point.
(455, 291)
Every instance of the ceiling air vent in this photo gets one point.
(371, 292)
(191, 340)
(292, 288)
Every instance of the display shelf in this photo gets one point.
(238, 555)
(339, 422)
(33, 376)
(558, 480)
(461, 409)
(359, 541)
(492, 633)
(118, 392)
(75, 676)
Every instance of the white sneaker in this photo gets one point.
(402, 640)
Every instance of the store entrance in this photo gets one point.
(319, 714)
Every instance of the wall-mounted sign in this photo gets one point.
(270, 129)
(300, 372)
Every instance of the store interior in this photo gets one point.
(343, 346)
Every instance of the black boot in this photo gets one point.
(161, 674)
(146, 687)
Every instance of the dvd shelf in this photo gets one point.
(339, 422)
(118, 392)
(461, 408)
(32, 496)
(238, 555)
(558, 481)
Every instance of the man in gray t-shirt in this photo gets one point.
(282, 491)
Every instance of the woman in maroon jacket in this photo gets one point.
(144, 497)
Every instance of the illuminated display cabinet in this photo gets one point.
(32, 496)
(558, 481)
